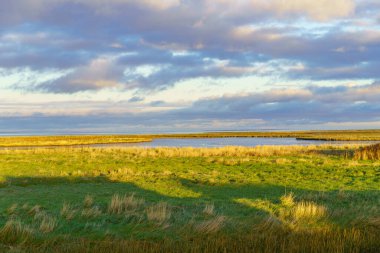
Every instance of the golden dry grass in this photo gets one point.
(209, 210)
(212, 225)
(308, 211)
(88, 201)
(159, 213)
(48, 224)
(122, 204)
(15, 231)
(371, 152)
(91, 212)
(25, 141)
(67, 211)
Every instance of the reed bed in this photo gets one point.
(228, 151)
(371, 152)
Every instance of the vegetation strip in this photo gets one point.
(25, 141)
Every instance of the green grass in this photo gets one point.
(287, 199)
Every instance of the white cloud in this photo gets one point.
(319, 10)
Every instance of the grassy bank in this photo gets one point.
(330, 135)
(25, 141)
(263, 199)
(351, 135)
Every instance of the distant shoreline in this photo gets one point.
(71, 140)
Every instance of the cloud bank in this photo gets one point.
(325, 53)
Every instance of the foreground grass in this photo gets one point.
(349, 135)
(234, 199)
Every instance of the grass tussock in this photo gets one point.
(371, 152)
(212, 225)
(288, 200)
(159, 213)
(35, 210)
(48, 224)
(12, 209)
(68, 212)
(124, 204)
(88, 201)
(209, 210)
(300, 215)
(92, 212)
(308, 211)
(15, 231)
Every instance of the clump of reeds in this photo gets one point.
(209, 209)
(122, 204)
(159, 213)
(288, 200)
(34, 210)
(48, 224)
(308, 211)
(88, 201)
(91, 212)
(371, 152)
(14, 230)
(67, 211)
(297, 215)
(211, 226)
(12, 209)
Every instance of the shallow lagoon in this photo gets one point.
(209, 143)
(221, 142)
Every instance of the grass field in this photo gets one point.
(232, 199)
(349, 135)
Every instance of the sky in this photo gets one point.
(149, 66)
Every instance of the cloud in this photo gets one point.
(70, 34)
(142, 47)
(322, 10)
(98, 74)
(286, 108)
(294, 106)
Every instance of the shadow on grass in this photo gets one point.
(233, 200)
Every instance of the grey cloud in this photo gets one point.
(314, 104)
(136, 99)
(98, 74)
